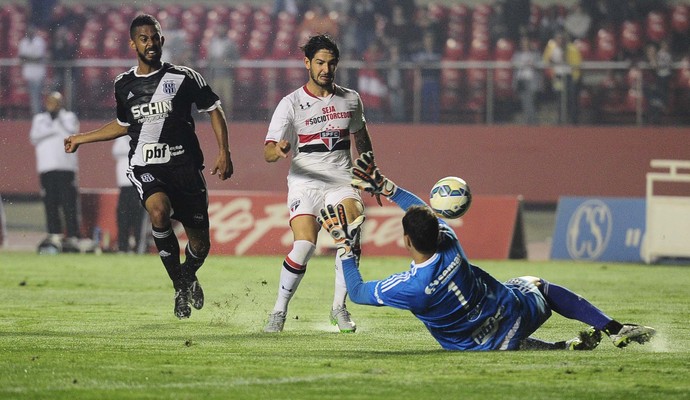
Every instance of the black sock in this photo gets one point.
(192, 262)
(613, 327)
(169, 252)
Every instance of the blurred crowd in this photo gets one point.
(438, 62)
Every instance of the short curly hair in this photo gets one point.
(320, 42)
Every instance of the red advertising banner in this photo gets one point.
(256, 223)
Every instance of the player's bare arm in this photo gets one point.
(274, 151)
(363, 141)
(109, 131)
(223, 168)
(363, 145)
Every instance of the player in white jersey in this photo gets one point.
(154, 102)
(317, 122)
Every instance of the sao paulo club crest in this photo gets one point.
(330, 138)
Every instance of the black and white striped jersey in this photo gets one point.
(157, 109)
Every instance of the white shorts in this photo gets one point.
(309, 199)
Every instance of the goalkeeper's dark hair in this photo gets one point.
(143, 20)
(320, 42)
(421, 225)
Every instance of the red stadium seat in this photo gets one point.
(504, 49)
(451, 89)
(457, 31)
(479, 48)
(503, 83)
(481, 13)
(458, 13)
(680, 18)
(631, 36)
(454, 50)
(606, 45)
(656, 26)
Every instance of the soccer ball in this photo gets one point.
(450, 197)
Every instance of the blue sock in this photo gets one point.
(573, 306)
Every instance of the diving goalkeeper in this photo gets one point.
(462, 306)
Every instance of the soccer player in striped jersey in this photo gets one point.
(154, 102)
(462, 306)
(317, 122)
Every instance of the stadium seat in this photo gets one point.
(481, 14)
(585, 48)
(286, 21)
(480, 48)
(503, 84)
(680, 18)
(656, 29)
(504, 49)
(631, 36)
(458, 13)
(112, 44)
(453, 50)
(262, 21)
(606, 45)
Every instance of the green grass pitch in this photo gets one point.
(102, 327)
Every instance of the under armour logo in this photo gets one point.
(303, 106)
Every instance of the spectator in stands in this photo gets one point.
(527, 78)
(517, 16)
(563, 59)
(550, 23)
(222, 52)
(58, 174)
(664, 71)
(577, 23)
(33, 52)
(131, 216)
(363, 17)
(430, 88)
(400, 30)
(652, 78)
(41, 12)
(293, 7)
(318, 20)
(498, 26)
(177, 42)
(395, 78)
(63, 48)
(371, 84)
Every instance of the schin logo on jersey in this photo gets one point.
(155, 110)
(589, 230)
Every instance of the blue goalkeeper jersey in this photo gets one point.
(462, 306)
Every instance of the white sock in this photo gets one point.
(340, 287)
(294, 267)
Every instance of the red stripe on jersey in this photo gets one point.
(309, 138)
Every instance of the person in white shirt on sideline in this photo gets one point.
(58, 172)
(130, 214)
(33, 52)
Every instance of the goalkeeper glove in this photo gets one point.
(344, 234)
(367, 177)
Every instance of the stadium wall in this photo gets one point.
(538, 163)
